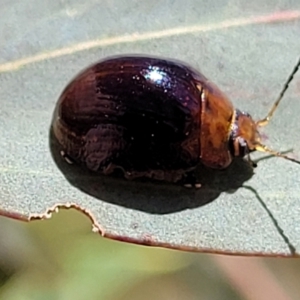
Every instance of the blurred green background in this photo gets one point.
(61, 258)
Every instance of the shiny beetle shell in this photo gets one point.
(149, 117)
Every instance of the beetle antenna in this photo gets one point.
(266, 120)
(263, 148)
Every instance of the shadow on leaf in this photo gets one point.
(151, 196)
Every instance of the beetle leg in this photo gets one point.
(66, 157)
(190, 180)
(252, 163)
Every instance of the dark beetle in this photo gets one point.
(152, 117)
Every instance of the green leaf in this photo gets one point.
(247, 50)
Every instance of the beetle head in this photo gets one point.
(244, 135)
(245, 138)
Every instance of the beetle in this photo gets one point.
(152, 117)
